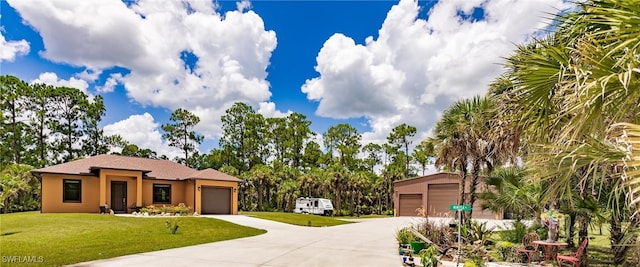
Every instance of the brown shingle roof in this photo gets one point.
(211, 174)
(153, 168)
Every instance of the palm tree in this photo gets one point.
(358, 183)
(338, 175)
(391, 173)
(287, 191)
(568, 92)
(467, 141)
(512, 192)
(261, 175)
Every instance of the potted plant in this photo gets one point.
(403, 236)
(429, 257)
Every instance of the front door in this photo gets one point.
(119, 196)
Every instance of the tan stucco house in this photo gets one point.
(124, 183)
(434, 193)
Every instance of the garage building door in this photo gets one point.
(409, 203)
(216, 200)
(440, 197)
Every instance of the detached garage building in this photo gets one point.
(434, 193)
(123, 184)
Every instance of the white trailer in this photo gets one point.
(314, 205)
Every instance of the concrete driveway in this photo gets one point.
(370, 242)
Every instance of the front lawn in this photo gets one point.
(59, 239)
(368, 216)
(297, 218)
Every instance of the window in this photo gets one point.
(72, 190)
(162, 193)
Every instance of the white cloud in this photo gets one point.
(110, 84)
(10, 49)
(89, 74)
(51, 78)
(416, 68)
(243, 5)
(149, 39)
(142, 131)
(268, 110)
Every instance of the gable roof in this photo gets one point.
(151, 168)
(211, 174)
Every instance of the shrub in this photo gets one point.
(172, 227)
(506, 251)
(404, 236)
(478, 254)
(516, 234)
(181, 209)
(429, 257)
(477, 232)
(441, 235)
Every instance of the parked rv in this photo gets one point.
(314, 205)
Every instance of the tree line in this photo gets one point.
(278, 158)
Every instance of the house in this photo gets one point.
(434, 193)
(123, 183)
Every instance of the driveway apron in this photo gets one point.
(369, 242)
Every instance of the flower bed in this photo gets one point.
(165, 210)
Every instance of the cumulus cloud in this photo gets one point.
(89, 75)
(110, 84)
(10, 49)
(416, 68)
(51, 78)
(142, 130)
(268, 110)
(243, 5)
(178, 54)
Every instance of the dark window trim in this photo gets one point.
(64, 191)
(154, 193)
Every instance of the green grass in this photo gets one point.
(71, 238)
(297, 219)
(368, 216)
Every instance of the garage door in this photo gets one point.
(216, 200)
(440, 197)
(409, 203)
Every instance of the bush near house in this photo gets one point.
(181, 209)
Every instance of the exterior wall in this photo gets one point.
(133, 180)
(177, 192)
(131, 188)
(96, 191)
(234, 194)
(420, 186)
(190, 193)
(52, 194)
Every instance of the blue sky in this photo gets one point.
(373, 64)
